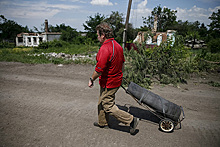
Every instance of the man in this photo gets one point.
(110, 60)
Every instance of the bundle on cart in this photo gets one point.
(168, 112)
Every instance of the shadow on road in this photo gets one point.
(142, 114)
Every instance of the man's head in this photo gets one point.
(104, 31)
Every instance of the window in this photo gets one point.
(20, 39)
(40, 39)
(29, 39)
(35, 40)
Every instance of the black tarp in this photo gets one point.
(159, 104)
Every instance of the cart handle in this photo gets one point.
(183, 114)
(123, 86)
(125, 89)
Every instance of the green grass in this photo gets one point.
(214, 84)
(25, 54)
(71, 49)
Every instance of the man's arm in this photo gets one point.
(94, 76)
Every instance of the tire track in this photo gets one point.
(207, 132)
(44, 80)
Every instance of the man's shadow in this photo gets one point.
(142, 114)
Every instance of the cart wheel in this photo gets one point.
(166, 125)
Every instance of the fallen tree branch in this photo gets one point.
(211, 62)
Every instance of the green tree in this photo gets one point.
(214, 26)
(203, 31)
(214, 32)
(9, 29)
(186, 28)
(90, 25)
(215, 18)
(68, 33)
(116, 21)
(165, 18)
(181, 27)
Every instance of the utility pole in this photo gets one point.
(126, 24)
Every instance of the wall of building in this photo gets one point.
(52, 37)
(34, 40)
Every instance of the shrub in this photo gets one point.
(165, 64)
(214, 45)
(6, 45)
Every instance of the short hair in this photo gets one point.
(105, 29)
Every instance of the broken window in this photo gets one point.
(35, 40)
(29, 39)
(40, 39)
(20, 39)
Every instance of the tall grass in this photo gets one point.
(25, 54)
(167, 64)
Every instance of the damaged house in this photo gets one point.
(34, 39)
(157, 37)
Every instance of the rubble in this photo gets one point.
(65, 56)
(195, 44)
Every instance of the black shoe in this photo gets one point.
(133, 125)
(97, 125)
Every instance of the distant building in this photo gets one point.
(34, 39)
(157, 38)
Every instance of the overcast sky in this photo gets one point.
(75, 12)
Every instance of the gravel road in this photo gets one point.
(47, 105)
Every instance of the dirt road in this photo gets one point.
(51, 105)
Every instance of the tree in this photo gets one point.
(90, 25)
(215, 18)
(131, 32)
(214, 29)
(214, 32)
(68, 33)
(165, 18)
(116, 21)
(9, 29)
(203, 32)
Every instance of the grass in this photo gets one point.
(23, 54)
(71, 49)
(214, 84)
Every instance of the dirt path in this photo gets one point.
(48, 105)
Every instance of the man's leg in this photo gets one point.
(102, 115)
(106, 107)
(108, 104)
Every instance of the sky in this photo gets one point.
(75, 13)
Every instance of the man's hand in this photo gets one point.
(94, 76)
(91, 83)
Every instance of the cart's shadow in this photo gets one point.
(142, 114)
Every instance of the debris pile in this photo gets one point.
(195, 44)
(65, 56)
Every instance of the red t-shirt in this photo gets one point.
(110, 60)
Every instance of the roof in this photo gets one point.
(38, 34)
(27, 34)
(52, 33)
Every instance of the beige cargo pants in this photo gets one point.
(106, 107)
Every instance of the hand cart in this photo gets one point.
(168, 112)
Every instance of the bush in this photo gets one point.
(207, 61)
(214, 45)
(53, 44)
(165, 64)
(43, 45)
(6, 45)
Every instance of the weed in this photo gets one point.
(166, 63)
(214, 84)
